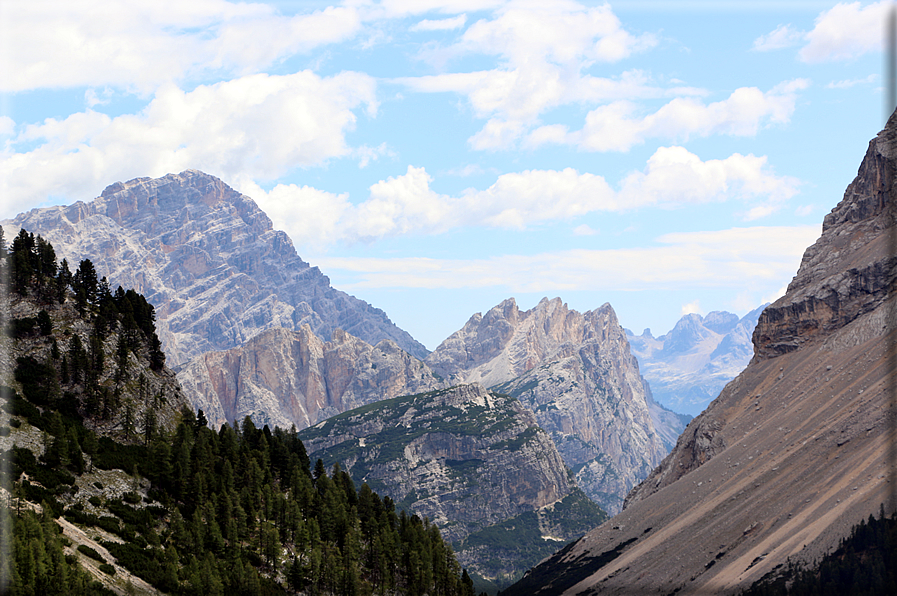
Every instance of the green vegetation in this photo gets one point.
(865, 564)
(237, 511)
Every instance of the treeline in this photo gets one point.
(78, 375)
(864, 564)
(234, 511)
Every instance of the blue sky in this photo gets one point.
(435, 157)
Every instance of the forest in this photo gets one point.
(240, 510)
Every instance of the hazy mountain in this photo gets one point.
(689, 366)
(575, 372)
(209, 260)
(474, 463)
(795, 451)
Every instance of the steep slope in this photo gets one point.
(575, 372)
(795, 451)
(474, 463)
(283, 378)
(689, 366)
(210, 262)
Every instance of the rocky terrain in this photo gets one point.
(795, 451)
(575, 372)
(690, 365)
(210, 262)
(475, 463)
(294, 378)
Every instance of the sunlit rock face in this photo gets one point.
(575, 372)
(210, 262)
(294, 378)
(795, 451)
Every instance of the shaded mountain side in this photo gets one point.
(210, 262)
(575, 372)
(473, 462)
(690, 365)
(795, 451)
(284, 378)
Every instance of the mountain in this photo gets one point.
(290, 378)
(115, 487)
(689, 366)
(575, 372)
(210, 262)
(795, 451)
(475, 463)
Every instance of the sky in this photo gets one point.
(435, 157)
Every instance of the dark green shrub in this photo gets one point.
(86, 550)
(131, 497)
(15, 423)
(107, 569)
(95, 501)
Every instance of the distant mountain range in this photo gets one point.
(690, 365)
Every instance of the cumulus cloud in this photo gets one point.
(406, 204)
(730, 258)
(260, 126)
(693, 307)
(618, 127)
(848, 83)
(543, 51)
(141, 45)
(844, 32)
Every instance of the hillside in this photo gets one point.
(474, 463)
(795, 451)
(116, 487)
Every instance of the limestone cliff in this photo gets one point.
(473, 462)
(575, 372)
(795, 451)
(283, 378)
(210, 262)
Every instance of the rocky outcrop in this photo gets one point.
(294, 378)
(690, 365)
(210, 262)
(575, 372)
(795, 451)
(470, 461)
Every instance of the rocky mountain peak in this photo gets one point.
(209, 260)
(844, 273)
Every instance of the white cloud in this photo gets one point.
(440, 24)
(406, 204)
(617, 127)
(260, 126)
(848, 83)
(784, 36)
(584, 230)
(543, 50)
(733, 258)
(846, 31)
(141, 45)
(693, 307)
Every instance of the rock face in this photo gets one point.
(575, 372)
(283, 378)
(210, 262)
(795, 451)
(475, 463)
(690, 365)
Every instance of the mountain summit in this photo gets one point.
(209, 260)
(795, 451)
